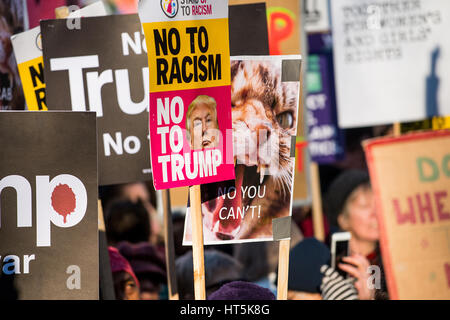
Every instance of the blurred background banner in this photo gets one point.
(390, 59)
(325, 138)
(317, 15)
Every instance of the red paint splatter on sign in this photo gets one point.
(63, 200)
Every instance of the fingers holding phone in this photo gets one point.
(356, 266)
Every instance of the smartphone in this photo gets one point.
(340, 247)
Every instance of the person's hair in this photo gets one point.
(362, 187)
(210, 102)
(339, 192)
(127, 221)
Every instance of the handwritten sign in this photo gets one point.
(411, 179)
(190, 106)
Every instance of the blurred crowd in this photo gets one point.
(134, 231)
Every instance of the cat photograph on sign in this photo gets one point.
(264, 106)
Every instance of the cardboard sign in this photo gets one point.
(396, 48)
(317, 15)
(28, 51)
(410, 177)
(264, 128)
(190, 114)
(48, 193)
(103, 67)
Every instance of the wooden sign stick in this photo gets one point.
(317, 215)
(283, 269)
(61, 12)
(197, 242)
(169, 247)
(397, 129)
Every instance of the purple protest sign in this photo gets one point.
(325, 139)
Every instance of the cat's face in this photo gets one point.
(264, 118)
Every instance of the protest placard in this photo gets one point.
(190, 114)
(264, 127)
(48, 193)
(410, 177)
(102, 67)
(248, 36)
(395, 48)
(28, 52)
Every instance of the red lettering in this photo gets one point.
(440, 206)
(281, 26)
(425, 208)
(299, 146)
(406, 216)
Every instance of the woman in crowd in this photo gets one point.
(350, 206)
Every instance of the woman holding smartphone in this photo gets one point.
(350, 205)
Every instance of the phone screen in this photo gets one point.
(342, 250)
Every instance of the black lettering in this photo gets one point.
(40, 98)
(186, 60)
(175, 73)
(161, 71)
(195, 69)
(215, 70)
(201, 65)
(174, 50)
(203, 46)
(160, 43)
(37, 74)
(192, 31)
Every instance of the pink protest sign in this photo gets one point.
(189, 144)
(190, 98)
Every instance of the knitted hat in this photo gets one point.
(119, 263)
(219, 269)
(241, 290)
(305, 260)
(147, 262)
(340, 189)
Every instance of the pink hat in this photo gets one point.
(119, 263)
